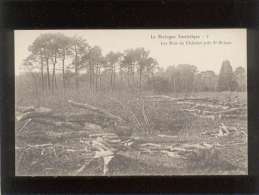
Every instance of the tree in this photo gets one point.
(128, 63)
(94, 60)
(171, 74)
(79, 48)
(39, 50)
(142, 61)
(160, 84)
(64, 52)
(225, 81)
(150, 71)
(30, 64)
(184, 80)
(137, 60)
(240, 78)
(206, 81)
(112, 59)
(48, 48)
(54, 47)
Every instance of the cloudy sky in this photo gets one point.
(204, 48)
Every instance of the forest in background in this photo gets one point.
(57, 61)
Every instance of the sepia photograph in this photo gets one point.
(131, 102)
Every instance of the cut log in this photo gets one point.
(231, 110)
(25, 109)
(89, 118)
(95, 109)
(40, 112)
(59, 124)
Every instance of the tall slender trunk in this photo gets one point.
(42, 72)
(48, 73)
(96, 77)
(174, 85)
(63, 70)
(121, 74)
(90, 77)
(76, 68)
(76, 77)
(128, 76)
(140, 78)
(111, 78)
(114, 76)
(152, 80)
(100, 79)
(133, 74)
(35, 84)
(54, 81)
(56, 84)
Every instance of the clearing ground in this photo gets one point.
(74, 133)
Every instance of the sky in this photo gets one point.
(204, 48)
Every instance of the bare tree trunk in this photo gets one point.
(90, 78)
(63, 70)
(100, 84)
(54, 82)
(48, 73)
(100, 81)
(35, 84)
(76, 68)
(133, 75)
(152, 80)
(111, 82)
(128, 76)
(42, 73)
(114, 76)
(76, 77)
(121, 74)
(140, 78)
(174, 85)
(96, 77)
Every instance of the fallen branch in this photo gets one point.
(138, 124)
(231, 110)
(25, 124)
(78, 171)
(59, 124)
(25, 109)
(95, 109)
(39, 145)
(39, 112)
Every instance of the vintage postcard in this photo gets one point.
(131, 102)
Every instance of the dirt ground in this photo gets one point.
(164, 128)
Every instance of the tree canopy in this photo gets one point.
(55, 55)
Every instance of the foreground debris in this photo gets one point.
(89, 141)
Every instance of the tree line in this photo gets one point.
(59, 61)
(187, 78)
